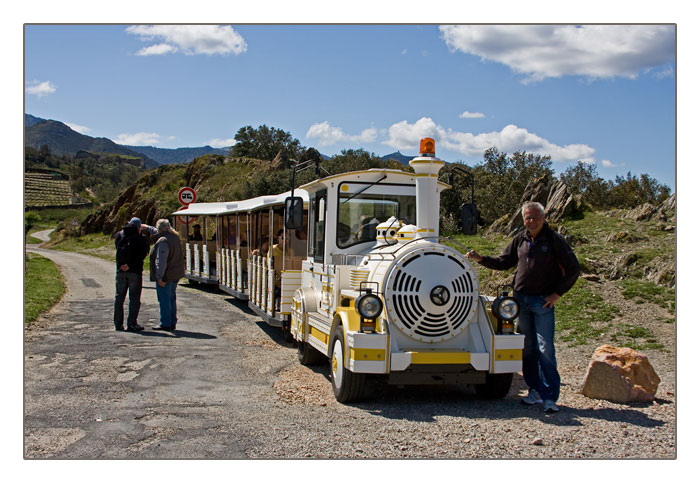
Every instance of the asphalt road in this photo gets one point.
(92, 392)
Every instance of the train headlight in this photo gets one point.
(505, 308)
(369, 305)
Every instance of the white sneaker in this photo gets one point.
(533, 397)
(550, 407)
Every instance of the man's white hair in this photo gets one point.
(163, 225)
(532, 204)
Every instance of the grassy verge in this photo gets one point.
(641, 291)
(43, 287)
(95, 244)
(583, 316)
(30, 240)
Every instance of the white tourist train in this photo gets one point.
(352, 268)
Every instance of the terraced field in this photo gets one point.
(44, 189)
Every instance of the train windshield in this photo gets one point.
(359, 215)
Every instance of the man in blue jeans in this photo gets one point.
(132, 248)
(167, 268)
(546, 269)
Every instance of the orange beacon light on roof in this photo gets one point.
(427, 147)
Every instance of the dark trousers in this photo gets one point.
(539, 357)
(131, 282)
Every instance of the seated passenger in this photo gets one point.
(368, 228)
(197, 235)
(264, 247)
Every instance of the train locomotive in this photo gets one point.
(377, 293)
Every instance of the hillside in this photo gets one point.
(397, 156)
(62, 140)
(42, 189)
(214, 178)
(178, 155)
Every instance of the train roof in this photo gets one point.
(197, 209)
(369, 176)
(242, 206)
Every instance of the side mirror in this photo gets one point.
(293, 213)
(470, 216)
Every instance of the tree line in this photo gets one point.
(499, 180)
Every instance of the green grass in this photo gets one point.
(85, 242)
(43, 287)
(583, 316)
(635, 337)
(642, 291)
(31, 240)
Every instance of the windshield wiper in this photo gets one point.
(365, 189)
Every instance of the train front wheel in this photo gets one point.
(347, 386)
(496, 386)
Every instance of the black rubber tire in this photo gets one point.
(287, 333)
(351, 386)
(308, 356)
(497, 386)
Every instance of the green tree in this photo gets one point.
(501, 180)
(265, 143)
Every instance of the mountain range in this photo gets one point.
(61, 139)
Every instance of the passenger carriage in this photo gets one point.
(201, 256)
(257, 258)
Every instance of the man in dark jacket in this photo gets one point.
(167, 268)
(132, 248)
(546, 269)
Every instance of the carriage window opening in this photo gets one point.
(359, 215)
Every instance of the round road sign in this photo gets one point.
(186, 196)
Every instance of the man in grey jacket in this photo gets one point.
(167, 268)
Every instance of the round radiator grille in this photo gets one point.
(431, 294)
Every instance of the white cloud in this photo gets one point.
(542, 51)
(157, 49)
(138, 139)
(609, 164)
(471, 115)
(221, 143)
(328, 135)
(40, 89)
(511, 138)
(78, 128)
(189, 39)
(403, 135)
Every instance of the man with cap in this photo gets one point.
(132, 249)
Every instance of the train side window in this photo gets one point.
(318, 233)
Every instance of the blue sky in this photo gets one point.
(603, 94)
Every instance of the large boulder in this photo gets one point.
(620, 374)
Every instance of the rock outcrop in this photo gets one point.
(620, 375)
(553, 195)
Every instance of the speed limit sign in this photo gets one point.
(186, 196)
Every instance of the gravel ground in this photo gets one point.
(227, 386)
